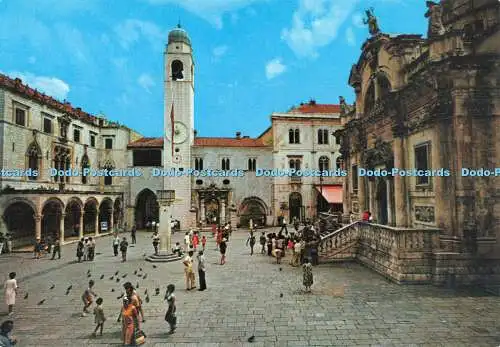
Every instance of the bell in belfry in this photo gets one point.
(177, 70)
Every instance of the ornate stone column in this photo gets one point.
(390, 221)
(96, 231)
(111, 224)
(400, 192)
(38, 226)
(223, 211)
(80, 228)
(371, 193)
(61, 228)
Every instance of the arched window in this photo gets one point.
(252, 164)
(322, 136)
(225, 164)
(85, 165)
(177, 70)
(34, 155)
(324, 163)
(108, 180)
(384, 86)
(295, 164)
(370, 98)
(198, 164)
(339, 163)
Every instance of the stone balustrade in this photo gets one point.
(404, 255)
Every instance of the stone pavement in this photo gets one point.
(349, 305)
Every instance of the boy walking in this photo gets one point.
(123, 249)
(88, 298)
(99, 317)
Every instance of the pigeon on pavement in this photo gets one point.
(102, 276)
(41, 302)
(52, 286)
(251, 338)
(144, 277)
(116, 273)
(147, 298)
(26, 296)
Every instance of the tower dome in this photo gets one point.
(178, 35)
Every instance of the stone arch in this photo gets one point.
(19, 220)
(90, 215)
(52, 213)
(146, 208)
(253, 208)
(118, 212)
(72, 218)
(369, 97)
(177, 70)
(85, 164)
(105, 215)
(384, 83)
(34, 159)
(295, 206)
(21, 200)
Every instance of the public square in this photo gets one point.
(349, 305)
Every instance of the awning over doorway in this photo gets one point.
(331, 193)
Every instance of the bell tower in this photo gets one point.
(179, 119)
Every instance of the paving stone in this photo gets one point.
(243, 299)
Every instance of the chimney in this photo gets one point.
(238, 135)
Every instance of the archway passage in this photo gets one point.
(89, 217)
(254, 209)
(146, 209)
(382, 215)
(117, 212)
(72, 219)
(19, 219)
(212, 211)
(105, 215)
(51, 220)
(295, 206)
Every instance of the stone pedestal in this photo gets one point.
(165, 254)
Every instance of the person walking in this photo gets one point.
(56, 250)
(79, 250)
(283, 226)
(2, 242)
(99, 317)
(187, 240)
(86, 246)
(202, 271)
(307, 275)
(171, 316)
(123, 249)
(156, 241)
(38, 248)
(91, 249)
(133, 234)
(188, 271)
(251, 241)
(262, 243)
(196, 240)
(223, 249)
(10, 291)
(130, 322)
(5, 330)
(135, 299)
(116, 244)
(203, 242)
(88, 298)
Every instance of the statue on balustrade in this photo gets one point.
(371, 20)
(435, 15)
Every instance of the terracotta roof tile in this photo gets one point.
(317, 108)
(228, 142)
(147, 142)
(16, 85)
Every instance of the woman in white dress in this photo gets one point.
(11, 291)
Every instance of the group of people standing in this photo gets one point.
(85, 249)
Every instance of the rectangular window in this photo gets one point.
(76, 135)
(198, 163)
(422, 162)
(323, 136)
(92, 140)
(109, 144)
(147, 158)
(354, 178)
(20, 116)
(252, 164)
(225, 164)
(47, 126)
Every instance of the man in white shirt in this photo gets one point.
(202, 270)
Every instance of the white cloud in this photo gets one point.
(219, 51)
(274, 68)
(316, 24)
(350, 37)
(146, 82)
(132, 30)
(52, 86)
(210, 10)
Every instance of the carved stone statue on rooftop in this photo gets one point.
(344, 107)
(435, 15)
(371, 20)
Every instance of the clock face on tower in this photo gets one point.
(180, 132)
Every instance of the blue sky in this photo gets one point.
(253, 57)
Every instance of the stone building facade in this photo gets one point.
(431, 104)
(39, 133)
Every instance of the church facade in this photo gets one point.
(57, 160)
